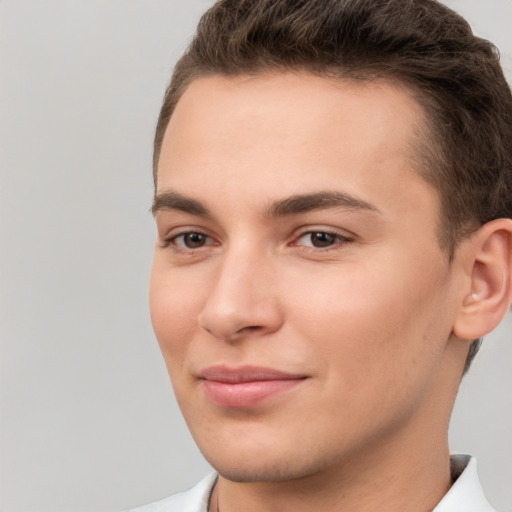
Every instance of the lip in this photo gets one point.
(246, 386)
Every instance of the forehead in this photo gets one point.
(290, 132)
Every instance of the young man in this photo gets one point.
(333, 196)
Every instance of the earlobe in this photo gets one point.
(489, 263)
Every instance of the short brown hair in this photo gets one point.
(454, 75)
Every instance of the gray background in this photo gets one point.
(88, 418)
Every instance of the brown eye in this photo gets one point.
(193, 240)
(322, 239)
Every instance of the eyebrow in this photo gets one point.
(303, 203)
(179, 202)
(293, 205)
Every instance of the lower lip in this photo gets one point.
(246, 394)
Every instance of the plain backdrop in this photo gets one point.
(89, 422)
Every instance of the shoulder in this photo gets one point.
(193, 500)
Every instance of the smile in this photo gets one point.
(245, 387)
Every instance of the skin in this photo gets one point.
(367, 317)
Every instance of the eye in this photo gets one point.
(320, 239)
(193, 240)
(189, 240)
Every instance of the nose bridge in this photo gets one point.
(241, 298)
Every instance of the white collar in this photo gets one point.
(466, 493)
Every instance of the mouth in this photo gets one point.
(247, 386)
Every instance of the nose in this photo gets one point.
(243, 300)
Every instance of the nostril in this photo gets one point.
(249, 328)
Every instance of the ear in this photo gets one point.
(488, 265)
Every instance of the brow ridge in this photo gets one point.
(303, 203)
(293, 205)
(177, 201)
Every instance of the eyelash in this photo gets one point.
(338, 240)
(172, 240)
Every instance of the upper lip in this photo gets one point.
(237, 375)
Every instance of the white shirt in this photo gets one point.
(465, 495)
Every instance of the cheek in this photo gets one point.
(174, 305)
(375, 342)
(372, 316)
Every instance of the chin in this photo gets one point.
(261, 472)
(268, 464)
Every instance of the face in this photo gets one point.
(299, 294)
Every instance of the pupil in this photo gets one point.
(322, 239)
(194, 240)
